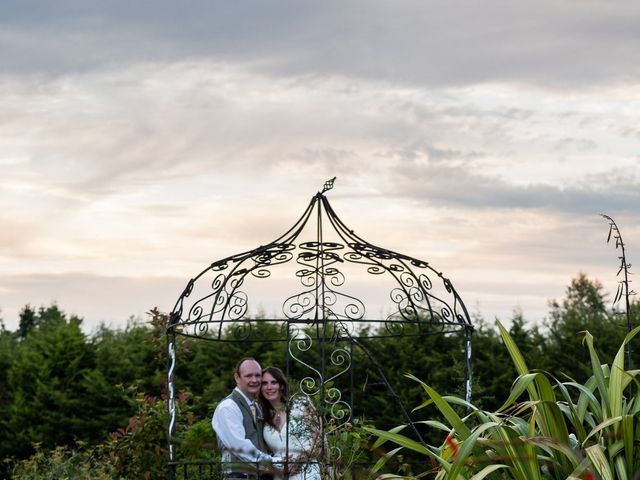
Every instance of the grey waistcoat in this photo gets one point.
(252, 430)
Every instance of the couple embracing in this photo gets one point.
(261, 432)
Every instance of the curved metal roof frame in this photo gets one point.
(419, 306)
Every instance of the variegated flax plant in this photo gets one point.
(547, 429)
(623, 284)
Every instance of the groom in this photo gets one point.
(238, 423)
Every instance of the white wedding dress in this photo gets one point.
(300, 442)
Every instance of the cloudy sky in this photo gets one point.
(140, 141)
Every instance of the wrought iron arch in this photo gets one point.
(322, 312)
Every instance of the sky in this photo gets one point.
(141, 141)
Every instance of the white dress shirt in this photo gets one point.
(228, 425)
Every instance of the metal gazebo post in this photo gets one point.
(171, 395)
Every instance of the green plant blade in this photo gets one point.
(514, 351)
(561, 447)
(587, 399)
(617, 377)
(602, 425)
(378, 443)
(599, 462)
(402, 441)
(487, 471)
(521, 384)
(598, 373)
(467, 446)
(385, 458)
(449, 413)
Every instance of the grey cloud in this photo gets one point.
(575, 144)
(420, 148)
(124, 129)
(630, 132)
(465, 111)
(618, 181)
(120, 130)
(549, 43)
(462, 186)
(325, 160)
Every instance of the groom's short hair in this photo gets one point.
(242, 360)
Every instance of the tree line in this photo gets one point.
(61, 387)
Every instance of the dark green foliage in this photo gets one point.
(139, 450)
(28, 320)
(125, 363)
(8, 346)
(584, 308)
(354, 457)
(440, 357)
(198, 442)
(125, 357)
(492, 369)
(492, 366)
(59, 386)
(47, 383)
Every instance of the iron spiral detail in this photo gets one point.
(315, 383)
(321, 316)
(422, 298)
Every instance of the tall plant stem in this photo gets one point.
(623, 288)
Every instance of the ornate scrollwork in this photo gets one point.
(274, 254)
(215, 305)
(201, 329)
(299, 343)
(315, 383)
(338, 409)
(241, 330)
(323, 298)
(340, 357)
(296, 306)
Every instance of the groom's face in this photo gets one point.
(249, 378)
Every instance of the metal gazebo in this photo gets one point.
(323, 316)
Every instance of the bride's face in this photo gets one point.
(270, 388)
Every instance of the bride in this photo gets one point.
(291, 428)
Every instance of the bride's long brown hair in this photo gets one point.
(267, 409)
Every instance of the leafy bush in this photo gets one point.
(347, 450)
(140, 449)
(562, 430)
(62, 463)
(199, 442)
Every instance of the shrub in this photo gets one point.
(560, 430)
(347, 450)
(62, 463)
(139, 450)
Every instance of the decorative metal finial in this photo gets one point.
(328, 185)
